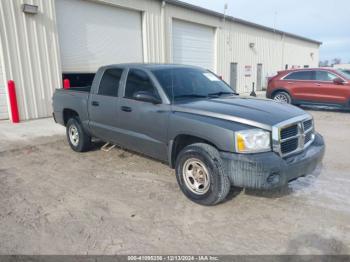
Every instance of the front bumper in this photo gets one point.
(268, 170)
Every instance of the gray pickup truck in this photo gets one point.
(190, 119)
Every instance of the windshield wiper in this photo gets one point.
(190, 96)
(221, 93)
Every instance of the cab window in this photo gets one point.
(110, 82)
(138, 81)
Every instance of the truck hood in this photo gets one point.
(264, 111)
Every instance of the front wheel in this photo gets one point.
(283, 97)
(200, 174)
(78, 139)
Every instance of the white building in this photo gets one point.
(66, 36)
(342, 66)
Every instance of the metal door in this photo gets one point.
(233, 76)
(259, 77)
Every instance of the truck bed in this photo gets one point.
(75, 98)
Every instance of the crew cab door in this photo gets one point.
(143, 124)
(103, 104)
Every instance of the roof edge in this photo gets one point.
(238, 20)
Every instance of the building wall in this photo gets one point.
(271, 50)
(31, 53)
(3, 92)
(342, 66)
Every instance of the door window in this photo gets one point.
(138, 81)
(301, 75)
(325, 76)
(110, 82)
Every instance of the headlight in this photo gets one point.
(253, 141)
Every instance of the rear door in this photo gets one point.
(143, 125)
(301, 85)
(103, 105)
(328, 91)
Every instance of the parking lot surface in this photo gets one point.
(53, 200)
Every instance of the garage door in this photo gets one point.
(193, 44)
(3, 96)
(94, 34)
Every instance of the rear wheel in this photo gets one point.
(283, 97)
(200, 174)
(78, 139)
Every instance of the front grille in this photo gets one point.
(307, 124)
(289, 132)
(308, 137)
(289, 146)
(294, 137)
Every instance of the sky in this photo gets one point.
(327, 21)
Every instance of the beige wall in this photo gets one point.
(30, 55)
(31, 51)
(3, 91)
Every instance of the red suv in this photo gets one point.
(317, 86)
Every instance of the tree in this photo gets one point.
(324, 63)
(336, 61)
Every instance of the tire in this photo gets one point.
(77, 138)
(283, 97)
(205, 159)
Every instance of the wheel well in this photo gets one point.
(280, 90)
(68, 114)
(181, 141)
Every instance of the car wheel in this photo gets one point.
(200, 174)
(283, 97)
(78, 139)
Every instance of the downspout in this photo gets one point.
(163, 31)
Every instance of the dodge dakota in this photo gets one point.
(190, 119)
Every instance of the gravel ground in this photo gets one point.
(53, 200)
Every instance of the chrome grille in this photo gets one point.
(289, 145)
(307, 124)
(289, 132)
(294, 136)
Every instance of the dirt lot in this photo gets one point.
(53, 200)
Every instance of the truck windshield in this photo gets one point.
(191, 83)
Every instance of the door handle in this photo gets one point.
(318, 84)
(95, 103)
(126, 109)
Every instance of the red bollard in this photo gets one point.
(13, 101)
(66, 84)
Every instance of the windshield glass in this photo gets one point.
(181, 83)
(344, 72)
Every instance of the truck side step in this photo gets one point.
(107, 147)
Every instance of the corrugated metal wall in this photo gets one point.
(3, 94)
(30, 50)
(274, 51)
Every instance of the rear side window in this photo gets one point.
(137, 81)
(302, 75)
(325, 76)
(110, 82)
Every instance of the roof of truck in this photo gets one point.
(152, 65)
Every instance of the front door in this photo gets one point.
(328, 91)
(103, 107)
(143, 125)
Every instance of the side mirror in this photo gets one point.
(146, 97)
(338, 81)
